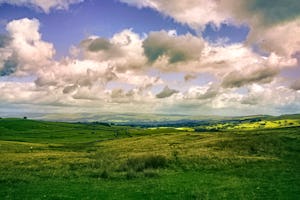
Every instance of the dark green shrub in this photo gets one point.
(155, 162)
(150, 173)
(131, 174)
(145, 162)
(104, 174)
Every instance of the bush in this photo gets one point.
(145, 162)
(150, 173)
(155, 162)
(104, 174)
(131, 174)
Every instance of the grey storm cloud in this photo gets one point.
(117, 93)
(98, 44)
(9, 67)
(189, 77)
(178, 49)
(250, 100)
(42, 81)
(275, 11)
(166, 92)
(239, 79)
(297, 56)
(4, 40)
(209, 94)
(102, 45)
(295, 85)
(204, 93)
(70, 88)
(198, 13)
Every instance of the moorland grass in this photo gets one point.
(51, 160)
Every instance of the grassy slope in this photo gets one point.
(48, 160)
(256, 123)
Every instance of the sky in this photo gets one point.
(190, 57)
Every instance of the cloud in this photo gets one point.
(22, 50)
(281, 39)
(239, 79)
(101, 45)
(139, 79)
(89, 95)
(195, 13)
(124, 50)
(16, 92)
(119, 95)
(9, 67)
(27, 46)
(198, 13)
(274, 12)
(295, 85)
(189, 77)
(274, 26)
(82, 73)
(193, 55)
(70, 88)
(166, 92)
(44, 5)
(176, 48)
(4, 40)
(220, 60)
(270, 95)
(123, 73)
(206, 92)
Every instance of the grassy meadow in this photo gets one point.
(246, 159)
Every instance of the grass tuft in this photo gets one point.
(141, 163)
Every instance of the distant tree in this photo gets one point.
(25, 117)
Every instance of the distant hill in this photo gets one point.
(157, 120)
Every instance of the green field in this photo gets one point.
(55, 160)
